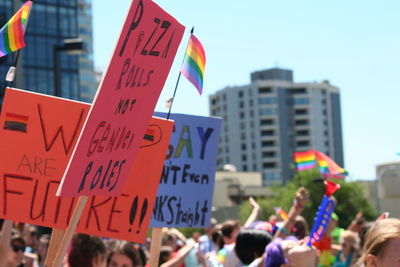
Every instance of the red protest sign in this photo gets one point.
(124, 103)
(36, 144)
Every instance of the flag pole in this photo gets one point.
(12, 70)
(179, 76)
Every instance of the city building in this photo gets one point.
(272, 117)
(50, 23)
(388, 180)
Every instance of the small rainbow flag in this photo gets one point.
(328, 168)
(16, 122)
(194, 63)
(304, 160)
(12, 34)
(280, 212)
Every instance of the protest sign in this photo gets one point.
(184, 196)
(37, 135)
(124, 102)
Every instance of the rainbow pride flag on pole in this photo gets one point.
(327, 167)
(194, 63)
(12, 34)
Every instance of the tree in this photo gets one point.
(350, 199)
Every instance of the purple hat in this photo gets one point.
(274, 254)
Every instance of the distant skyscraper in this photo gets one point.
(50, 22)
(272, 117)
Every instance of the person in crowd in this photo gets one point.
(42, 248)
(382, 243)
(87, 251)
(124, 255)
(289, 253)
(250, 246)
(347, 256)
(17, 257)
(300, 227)
(206, 244)
(30, 235)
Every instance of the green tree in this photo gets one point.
(350, 199)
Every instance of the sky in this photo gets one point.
(353, 44)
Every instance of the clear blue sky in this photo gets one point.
(353, 44)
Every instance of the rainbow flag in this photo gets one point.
(304, 160)
(12, 34)
(280, 212)
(194, 63)
(328, 168)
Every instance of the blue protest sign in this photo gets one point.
(184, 197)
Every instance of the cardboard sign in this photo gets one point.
(184, 197)
(37, 135)
(124, 103)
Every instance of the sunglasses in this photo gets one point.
(17, 248)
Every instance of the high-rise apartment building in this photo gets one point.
(272, 117)
(50, 22)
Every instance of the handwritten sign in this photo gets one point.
(184, 196)
(124, 103)
(37, 136)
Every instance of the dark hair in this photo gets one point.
(84, 249)
(165, 253)
(228, 227)
(127, 249)
(250, 244)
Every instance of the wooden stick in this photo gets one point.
(5, 242)
(70, 231)
(156, 238)
(57, 236)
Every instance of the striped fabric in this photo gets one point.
(194, 63)
(12, 34)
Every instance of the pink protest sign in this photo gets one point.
(124, 103)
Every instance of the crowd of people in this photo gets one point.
(272, 243)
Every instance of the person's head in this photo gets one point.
(349, 240)
(31, 236)
(196, 236)
(250, 244)
(289, 253)
(381, 247)
(230, 230)
(169, 239)
(87, 251)
(16, 253)
(301, 227)
(124, 255)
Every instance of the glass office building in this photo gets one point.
(50, 22)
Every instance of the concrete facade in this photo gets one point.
(272, 117)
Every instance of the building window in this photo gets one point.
(254, 166)
(253, 145)
(267, 132)
(267, 122)
(301, 101)
(264, 90)
(269, 154)
(298, 91)
(224, 97)
(243, 136)
(243, 146)
(302, 111)
(269, 165)
(226, 149)
(302, 133)
(301, 122)
(244, 157)
(267, 101)
(240, 94)
(251, 102)
(244, 168)
(267, 143)
(302, 143)
(267, 111)
(241, 104)
(242, 115)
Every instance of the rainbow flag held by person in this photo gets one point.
(280, 212)
(194, 63)
(12, 33)
(304, 160)
(327, 167)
